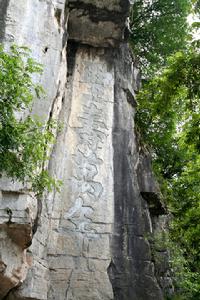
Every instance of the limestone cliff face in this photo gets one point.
(91, 239)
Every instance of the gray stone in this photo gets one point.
(98, 23)
(17, 214)
(130, 277)
(90, 241)
(149, 188)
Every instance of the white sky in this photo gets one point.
(194, 18)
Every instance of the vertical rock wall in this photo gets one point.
(79, 243)
(131, 269)
(91, 239)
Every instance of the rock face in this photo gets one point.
(98, 23)
(91, 239)
(17, 213)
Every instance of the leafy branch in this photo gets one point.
(24, 141)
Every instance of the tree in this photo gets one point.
(158, 29)
(169, 120)
(24, 141)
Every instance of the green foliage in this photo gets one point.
(169, 120)
(169, 111)
(158, 29)
(196, 4)
(24, 140)
(187, 282)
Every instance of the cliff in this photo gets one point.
(90, 241)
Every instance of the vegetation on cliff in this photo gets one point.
(158, 29)
(24, 140)
(169, 119)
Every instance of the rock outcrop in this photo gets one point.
(91, 239)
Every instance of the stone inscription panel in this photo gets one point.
(82, 239)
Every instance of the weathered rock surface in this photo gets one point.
(91, 240)
(98, 23)
(17, 214)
